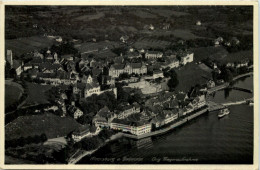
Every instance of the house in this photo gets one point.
(17, 66)
(211, 84)
(74, 111)
(87, 79)
(170, 115)
(230, 64)
(108, 80)
(243, 63)
(187, 58)
(136, 128)
(166, 26)
(27, 66)
(68, 57)
(103, 118)
(138, 68)
(132, 55)
(81, 132)
(127, 110)
(172, 104)
(198, 23)
(171, 61)
(57, 78)
(218, 41)
(158, 121)
(151, 27)
(157, 74)
(119, 60)
(181, 96)
(124, 38)
(153, 54)
(38, 55)
(188, 109)
(90, 89)
(53, 108)
(59, 39)
(198, 102)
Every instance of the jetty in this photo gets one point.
(243, 101)
(242, 89)
(215, 106)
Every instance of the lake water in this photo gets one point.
(207, 139)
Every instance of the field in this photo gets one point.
(24, 45)
(184, 34)
(238, 56)
(92, 47)
(36, 94)
(151, 43)
(214, 53)
(90, 17)
(53, 126)
(13, 92)
(143, 14)
(169, 13)
(190, 75)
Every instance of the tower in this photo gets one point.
(9, 57)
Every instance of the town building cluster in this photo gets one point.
(136, 118)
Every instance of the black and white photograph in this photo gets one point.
(129, 84)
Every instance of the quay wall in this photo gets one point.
(161, 131)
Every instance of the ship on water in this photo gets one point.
(223, 112)
(251, 103)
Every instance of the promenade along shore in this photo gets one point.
(171, 126)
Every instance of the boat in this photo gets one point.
(223, 112)
(251, 103)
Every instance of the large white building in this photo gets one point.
(137, 68)
(187, 58)
(136, 128)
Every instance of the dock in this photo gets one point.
(242, 89)
(215, 106)
(243, 101)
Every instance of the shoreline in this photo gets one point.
(86, 153)
(157, 132)
(170, 127)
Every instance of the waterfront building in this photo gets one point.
(136, 128)
(85, 131)
(81, 133)
(199, 102)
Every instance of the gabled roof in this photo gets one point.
(16, 64)
(82, 130)
(154, 52)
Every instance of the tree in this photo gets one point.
(227, 75)
(172, 83)
(43, 137)
(124, 76)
